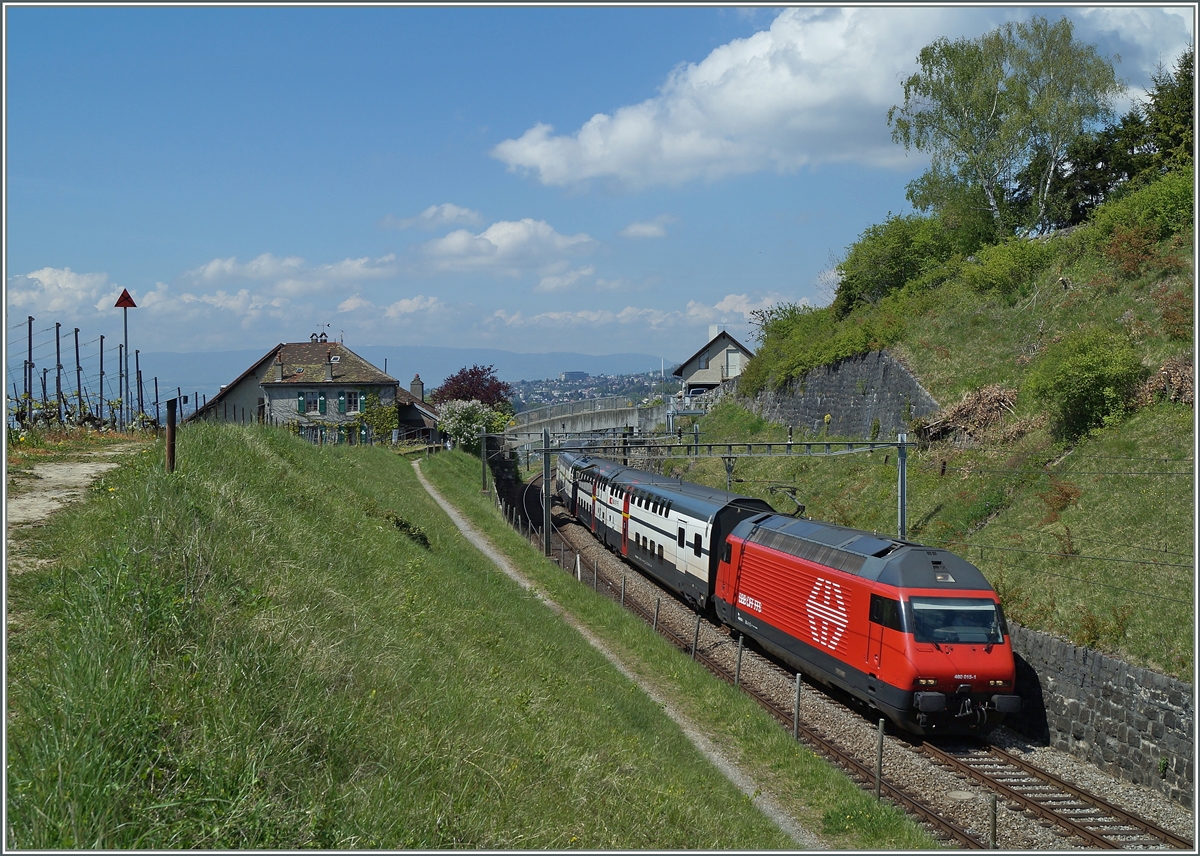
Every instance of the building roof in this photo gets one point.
(679, 371)
(304, 363)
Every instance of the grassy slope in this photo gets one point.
(1124, 492)
(250, 653)
(820, 796)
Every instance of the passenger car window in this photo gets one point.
(696, 548)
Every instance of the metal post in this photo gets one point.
(137, 373)
(546, 490)
(622, 589)
(101, 380)
(737, 670)
(796, 710)
(879, 762)
(992, 823)
(121, 386)
(156, 400)
(29, 373)
(902, 487)
(58, 371)
(596, 576)
(657, 604)
(578, 569)
(696, 636)
(125, 400)
(171, 434)
(78, 381)
(483, 457)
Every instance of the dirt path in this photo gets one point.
(739, 777)
(53, 484)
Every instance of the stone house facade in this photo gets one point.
(320, 388)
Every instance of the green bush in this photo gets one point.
(1009, 266)
(888, 255)
(1085, 380)
(1164, 208)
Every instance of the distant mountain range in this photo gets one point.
(205, 372)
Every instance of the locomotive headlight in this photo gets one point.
(1000, 684)
(926, 682)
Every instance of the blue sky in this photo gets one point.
(599, 180)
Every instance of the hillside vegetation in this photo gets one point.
(1062, 463)
(285, 646)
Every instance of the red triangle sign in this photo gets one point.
(125, 301)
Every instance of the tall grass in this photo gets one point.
(255, 653)
(820, 796)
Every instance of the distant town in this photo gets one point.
(575, 386)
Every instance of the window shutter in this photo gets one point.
(342, 401)
(321, 401)
(300, 401)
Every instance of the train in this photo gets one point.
(914, 632)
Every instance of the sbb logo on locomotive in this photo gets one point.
(827, 618)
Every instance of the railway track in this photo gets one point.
(1020, 785)
(1097, 822)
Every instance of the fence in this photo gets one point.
(98, 385)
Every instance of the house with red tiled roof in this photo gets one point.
(320, 388)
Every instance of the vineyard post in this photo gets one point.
(121, 386)
(156, 422)
(170, 456)
(78, 377)
(58, 399)
(137, 369)
(546, 489)
(29, 373)
(101, 414)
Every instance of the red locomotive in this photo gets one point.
(913, 631)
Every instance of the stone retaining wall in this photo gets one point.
(1128, 721)
(855, 393)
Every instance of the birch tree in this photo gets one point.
(984, 109)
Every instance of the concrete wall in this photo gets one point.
(855, 392)
(1130, 722)
(583, 418)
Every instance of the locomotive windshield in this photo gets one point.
(957, 619)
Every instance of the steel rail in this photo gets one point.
(1093, 800)
(1042, 805)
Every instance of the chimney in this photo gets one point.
(713, 330)
(417, 388)
(329, 366)
(279, 366)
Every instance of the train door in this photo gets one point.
(625, 523)
(575, 498)
(884, 613)
(595, 506)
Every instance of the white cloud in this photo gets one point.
(60, 290)
(813, 88)
(564, 281)
(413, 305)
(291, 276)
(655, 228)
(356, 302)
(434, 217)
(509, 247)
